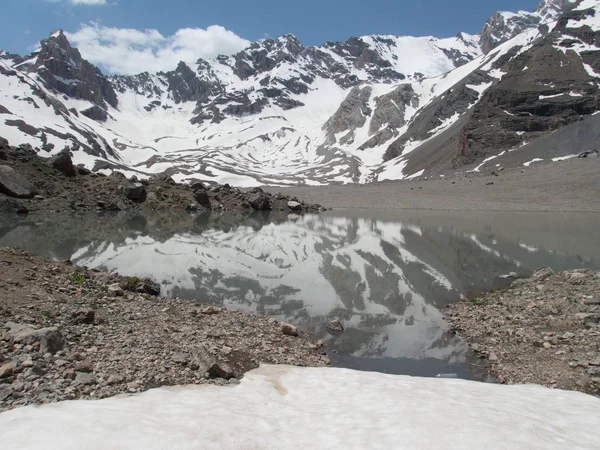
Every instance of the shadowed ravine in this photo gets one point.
(386, 276)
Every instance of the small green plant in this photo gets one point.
(131, 283)
(477, 301)
(77, 278)
(47, 314)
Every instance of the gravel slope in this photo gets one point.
(571, 185)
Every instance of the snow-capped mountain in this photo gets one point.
(371, 108)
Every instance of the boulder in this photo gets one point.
(201, 196)
(198, 186)
(289, 330)
(8, 205)
(50, 339)
(207, 364)
(588, 153)
(83, 171)
(15, 185)
(542, 274)
(136, 192)
(260, 202)
(335, 327)
(63, 163)
(83, 316)
(211, 310)
(294, 206)
(116, 290)
(7, 369)
(148, 286)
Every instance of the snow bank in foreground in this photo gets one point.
(285, 407)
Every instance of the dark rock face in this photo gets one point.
(15, 185)
(351, 114)
(62, 68)
(526, 104)
(63, 163)
(456, 100)
(260, 202)
(185, 85)
(502, 26)
(96, 113)
(201, 196)
(136, 192)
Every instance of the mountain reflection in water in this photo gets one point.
(387, 276)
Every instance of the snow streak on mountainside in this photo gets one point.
(371, 108)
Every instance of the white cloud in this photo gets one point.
(88, 2)
(81, 2)
(129, 51)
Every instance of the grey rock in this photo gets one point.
(201, 196)
(260, 202)
(208, 364)
(289, 330)
(15, 185)
(294, 206)
(50, 339)
(6, 391)
(86, 366)
(148, 286)
(84, 316)
(335, 327)
(63, 163)
(211, 310)
(7, 369)
(114, 379)
(116, 290)
(594, 301)
(542, 274)
(136, 192)
(8, 205)
(179, 358)
(85, 379)
(83, 171)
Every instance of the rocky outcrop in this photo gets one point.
(456, 100)
(63, 69)
(389, 115)
(351, 114)
(185, 85)
(544, 89)
(63, 163)
(503, 25)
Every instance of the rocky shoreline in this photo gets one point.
(68, 332)
(542, 330)
(30, 184)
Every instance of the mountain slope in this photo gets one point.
(371, 108)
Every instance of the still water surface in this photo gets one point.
(386, 275)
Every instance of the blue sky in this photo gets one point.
(313, 21)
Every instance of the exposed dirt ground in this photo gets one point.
(67, 332)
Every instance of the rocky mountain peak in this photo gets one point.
(503, 25)
(63, 69)
(551, 9)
